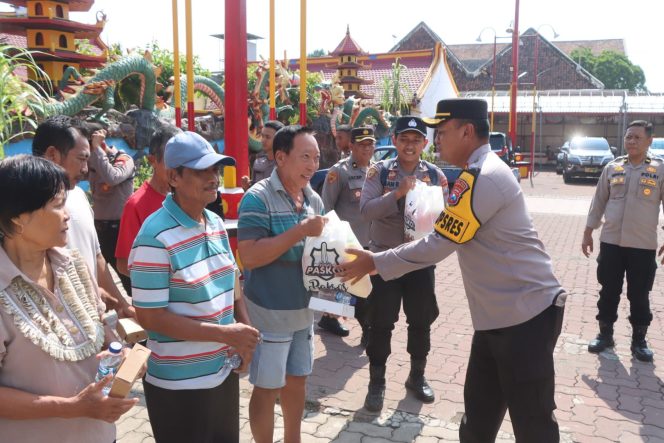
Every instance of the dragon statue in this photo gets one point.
(100, 88)
(77, 93)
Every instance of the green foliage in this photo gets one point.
(317, 53)
(251, 78)
(429, 154)
(20, 101)
(143, 172)
(83, 46)
(613, 69)
(166, 60)
(128, 91)
(396, 93)
(313, 98)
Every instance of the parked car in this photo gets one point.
(559, 158)
(502, 146)
(585, 157)
(657, 147)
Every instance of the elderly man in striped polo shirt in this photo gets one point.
(183, 275)
(276, 215)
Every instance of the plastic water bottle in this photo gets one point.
(235, 361)
(110, 364)
(344, 298)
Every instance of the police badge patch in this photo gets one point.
(372, 172)
(331, 176)
(460, 186)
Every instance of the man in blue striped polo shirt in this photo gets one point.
(183, 276)
(276, 215)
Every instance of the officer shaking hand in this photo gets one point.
(516, 303)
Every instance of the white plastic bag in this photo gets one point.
(322, 255)
(424, 204)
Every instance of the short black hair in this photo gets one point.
(344, 128)
(481, 126)
(159, 138)
(647, 126)
(59, 131)
(283, 139)
(273, 124)
(27, 184)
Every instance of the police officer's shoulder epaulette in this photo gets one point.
(619, 160)
(655, 160)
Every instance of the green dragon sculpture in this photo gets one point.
(101, 88)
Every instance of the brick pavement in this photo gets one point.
(606, 398)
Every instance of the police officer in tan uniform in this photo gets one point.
(383, 204)
(111, 183)
(516, 303)
(629, 194)
(341, 193)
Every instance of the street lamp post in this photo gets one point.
(535, 78)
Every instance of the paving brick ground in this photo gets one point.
(605, 398)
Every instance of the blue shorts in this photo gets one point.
(281, 354)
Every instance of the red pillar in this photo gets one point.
(515, 74)
(236, 136)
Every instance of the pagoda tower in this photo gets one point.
(45, 27)
(348, 51)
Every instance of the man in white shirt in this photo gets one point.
(57, 139)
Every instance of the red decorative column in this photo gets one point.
(515, 75)
(236, 135)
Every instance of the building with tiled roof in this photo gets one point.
(568, 99)
(44, 26)
(426, 77)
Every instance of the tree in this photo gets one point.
(128, 91)
(396, 94)
(613, 69)
(20, 100)
(165, 58)
(317, 53)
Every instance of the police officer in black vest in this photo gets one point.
(382, 203)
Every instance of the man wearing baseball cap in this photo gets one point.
(516, 303)
(341, 193)
(382, 203)
(183, 274)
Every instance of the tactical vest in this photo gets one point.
(390, 165)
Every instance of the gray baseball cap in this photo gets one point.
(192, 151)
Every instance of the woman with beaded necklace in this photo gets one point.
(50, 327)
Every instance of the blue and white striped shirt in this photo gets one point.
(277, 300)
(188, 268)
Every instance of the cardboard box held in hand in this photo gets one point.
(130, 331)
(131, 369)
